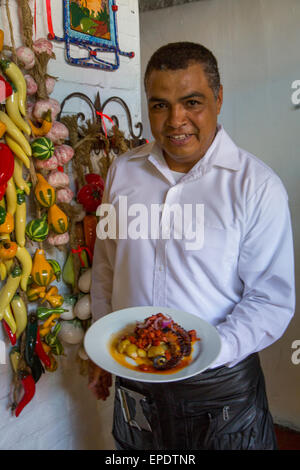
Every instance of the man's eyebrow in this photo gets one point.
(194, 94)
(154, 98)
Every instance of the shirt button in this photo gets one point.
(161, 268)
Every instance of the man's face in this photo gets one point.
(183, 114)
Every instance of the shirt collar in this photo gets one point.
(223, 153)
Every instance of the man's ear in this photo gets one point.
(220, 99)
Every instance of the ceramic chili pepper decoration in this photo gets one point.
(10, 334)
(40, 351)
(31, 336)
(37, 368)
(29, 391)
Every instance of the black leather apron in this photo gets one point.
(219, 409)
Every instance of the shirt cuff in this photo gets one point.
(225, 355)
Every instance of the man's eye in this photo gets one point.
(193, 103)
(159, 106)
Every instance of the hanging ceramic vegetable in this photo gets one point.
(9, 289)
(57, 219)
(42, 272)
(68, 271)
(2, 127)
(53, 297)
(52, 340)
(68, 305)
(11, 197)
(8, 249)
(7, 165)
(82, 309)
(18, 177)
(85, 280)
(58, 179)
(56, 268)
(14, 73)
(42, 148)
(71, 331)
(89, 228)
(17, 150)
(42, 131)
(20, 218)
(8, 225)
(12, 109)
(2, 212)
(37, 229)
(90, 195)
(20, 313)
(6, 87)
(35, 292)
(44, 193)
(15, 133)
(59, 239)
(26, 57)
(26, 262)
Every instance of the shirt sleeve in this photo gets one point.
(102, 269)
(266, 268)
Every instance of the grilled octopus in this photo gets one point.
(180, 344)
(179, 341)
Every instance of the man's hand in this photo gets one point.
(99, 381)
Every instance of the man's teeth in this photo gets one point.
(179, 137)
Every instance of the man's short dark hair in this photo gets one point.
(179, 55)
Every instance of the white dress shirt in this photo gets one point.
(239, 277)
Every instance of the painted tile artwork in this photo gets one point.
(90, 17)
(91, 25)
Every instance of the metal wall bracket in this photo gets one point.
(135, 139)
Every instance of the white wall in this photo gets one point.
(63, 414)
(257, 45)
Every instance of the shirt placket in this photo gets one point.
(162, 245)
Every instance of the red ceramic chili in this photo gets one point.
(10, 334)
(40, 351)
(29, 391)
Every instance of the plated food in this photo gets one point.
(156, 345)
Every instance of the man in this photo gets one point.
(239, 277)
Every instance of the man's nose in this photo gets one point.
(176, 116)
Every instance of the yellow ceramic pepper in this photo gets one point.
(53, 297)
(26, 262)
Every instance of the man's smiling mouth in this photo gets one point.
(179, 139)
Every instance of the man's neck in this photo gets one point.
(183, 167)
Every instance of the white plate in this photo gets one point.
(99, 336)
